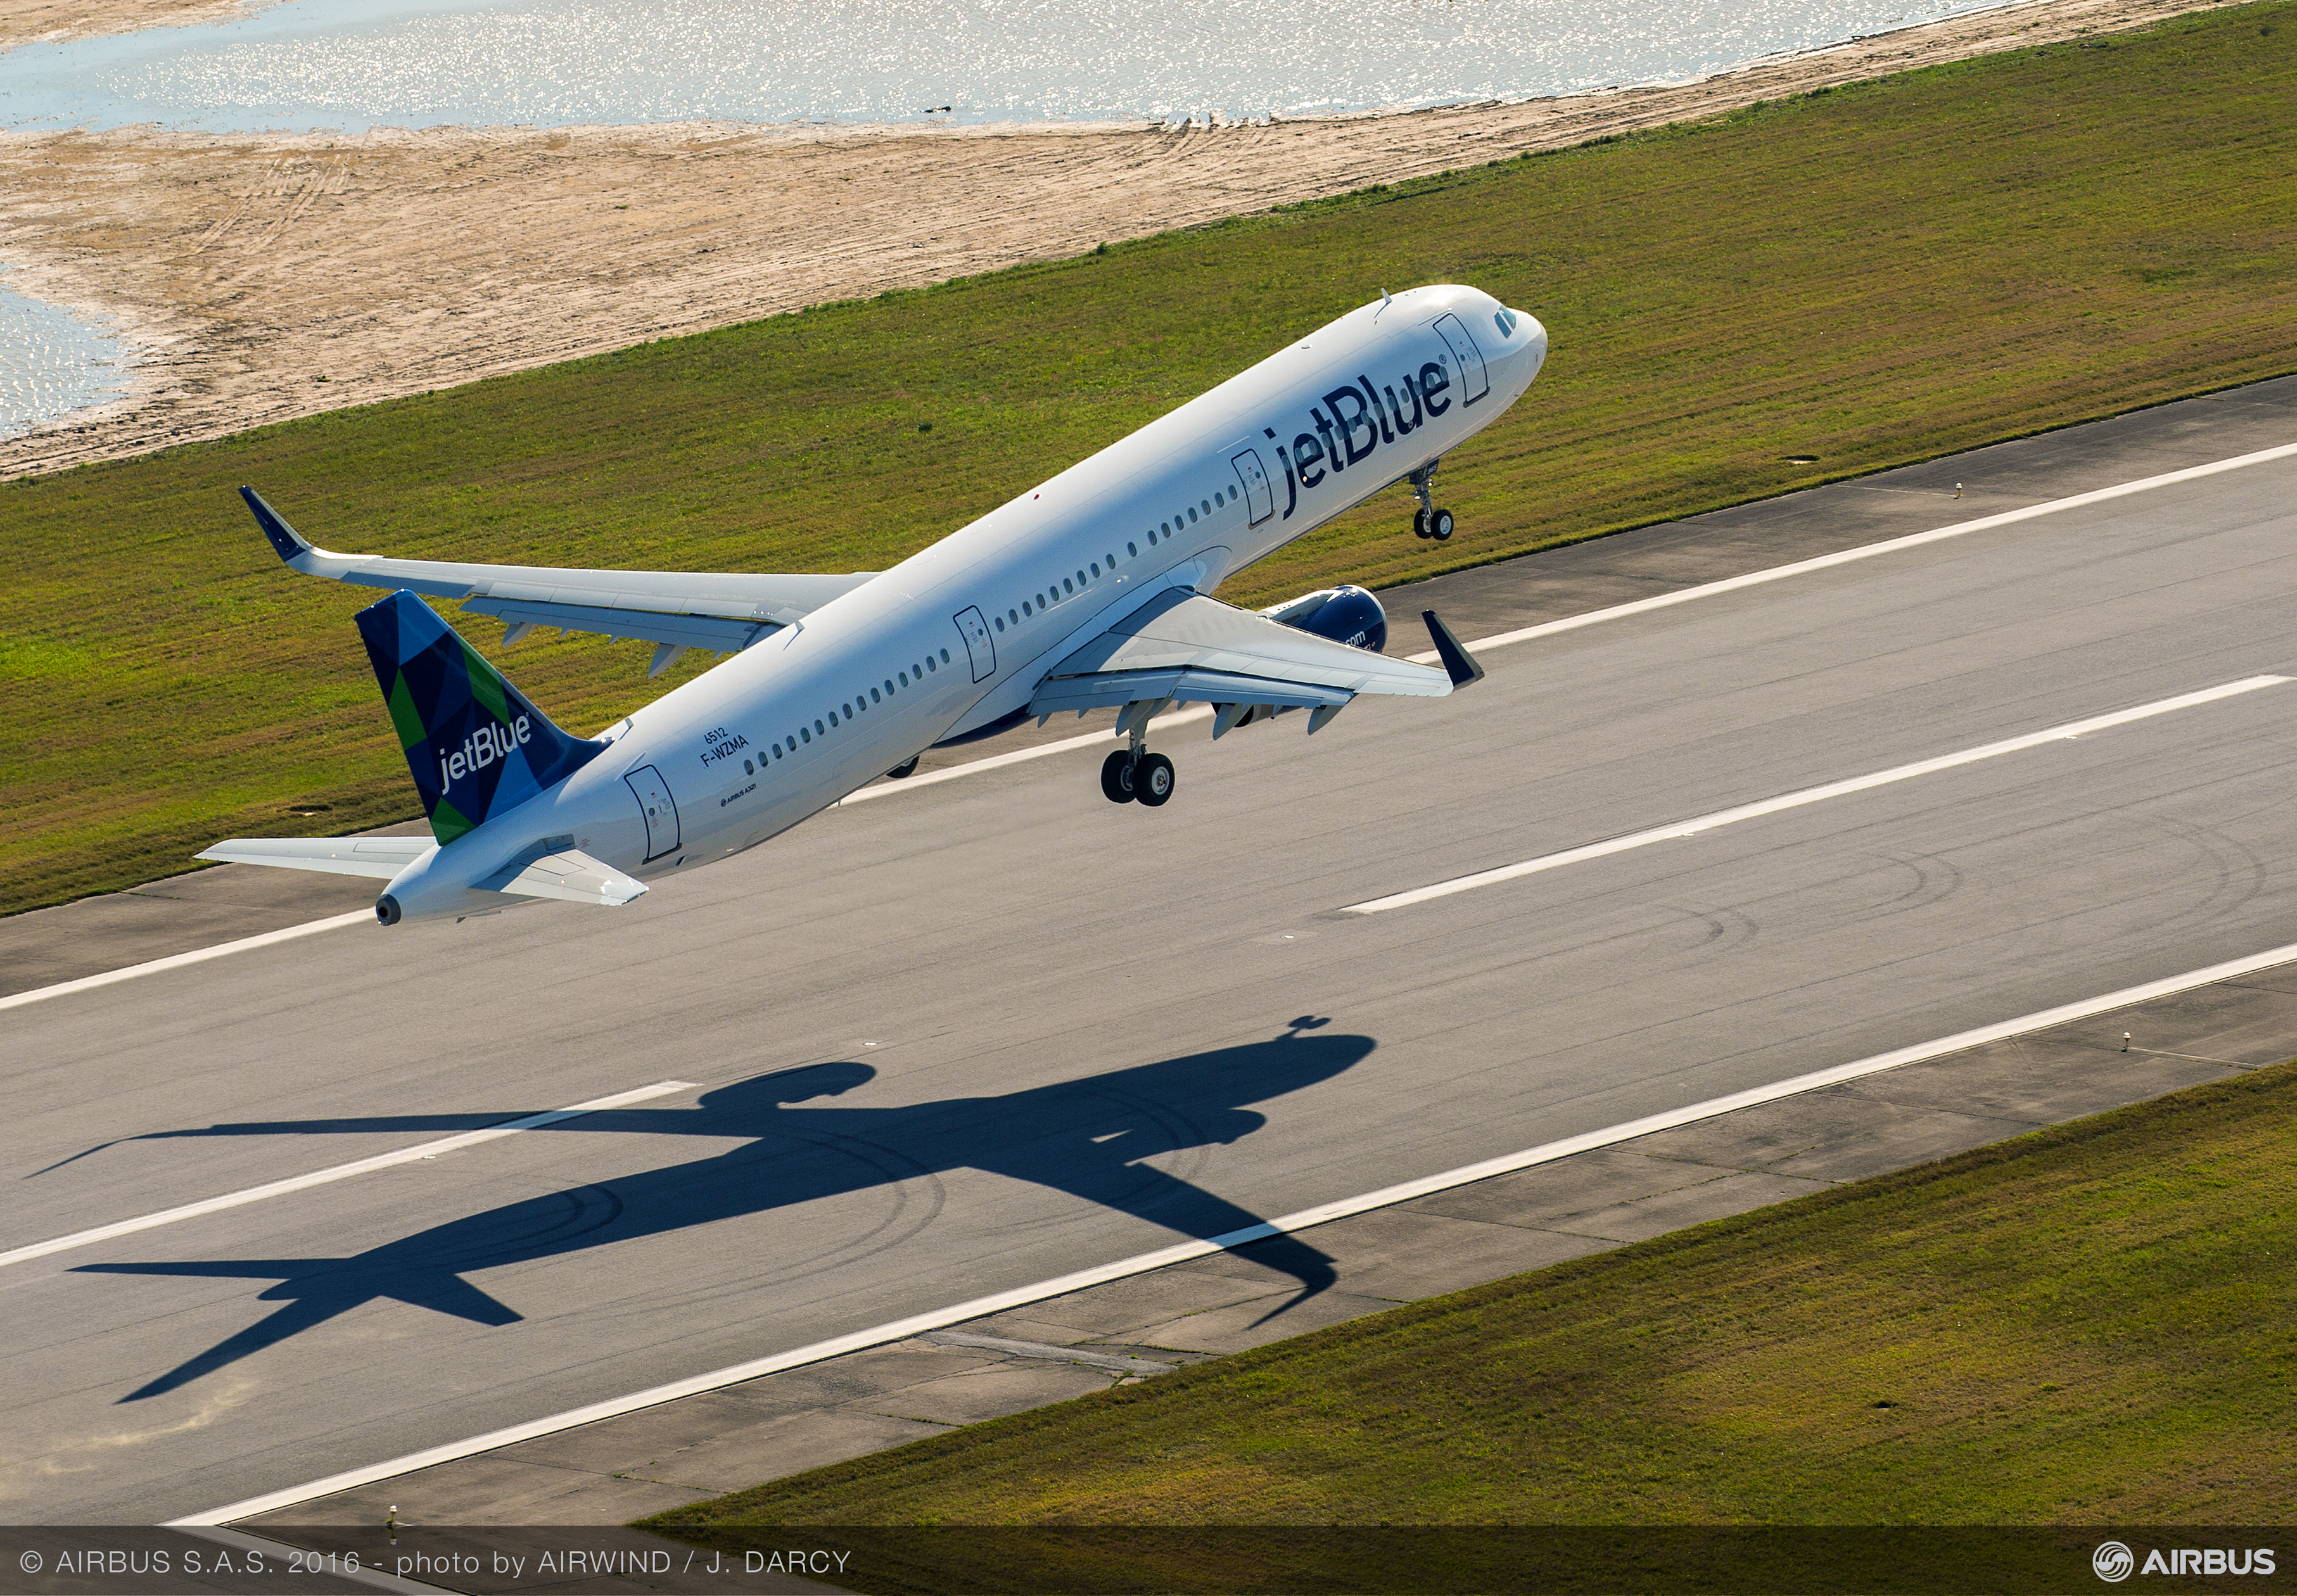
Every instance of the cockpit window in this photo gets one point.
(1506, 320)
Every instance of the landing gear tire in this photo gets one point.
(904, 771)
(1419, 523)
(1439, 525)
(1152, 781)
(1118, 774)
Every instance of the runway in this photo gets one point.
(999, 1030)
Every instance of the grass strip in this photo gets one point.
(2085, 1325)
(1862, 277)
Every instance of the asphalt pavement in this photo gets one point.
(995, 1030)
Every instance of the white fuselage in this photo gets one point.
(958, 637)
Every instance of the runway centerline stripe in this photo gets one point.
(1387, 1196)
(1165, 721)
(1498, 641)
(1807, 795)
(341, 1172)
(1867, 551)
(176, 961)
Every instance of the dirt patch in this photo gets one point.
(268, 276)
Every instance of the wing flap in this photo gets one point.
(681, 631)
(1185, 632)
(1109, 689)
(380, 858)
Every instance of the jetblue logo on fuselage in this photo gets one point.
(481, 749)
(1355, 419)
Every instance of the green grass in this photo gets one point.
(1872, 276)
(2086, 1325)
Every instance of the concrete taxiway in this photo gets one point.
(997, 1030)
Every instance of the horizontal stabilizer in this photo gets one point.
(381, 858)
(570, 875)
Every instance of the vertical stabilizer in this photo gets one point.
(474, 744)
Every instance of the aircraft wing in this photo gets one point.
(726, 611)
(1182, 646)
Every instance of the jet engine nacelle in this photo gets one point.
(1344, 614)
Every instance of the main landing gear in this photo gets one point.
(1428, 521)
(905, 769)
(1133, 775)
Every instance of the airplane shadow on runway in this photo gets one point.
(1085, 1138)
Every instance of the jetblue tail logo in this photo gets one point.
(475, 745)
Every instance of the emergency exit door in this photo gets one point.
(1258, 494)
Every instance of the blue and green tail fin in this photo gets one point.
(476, 746)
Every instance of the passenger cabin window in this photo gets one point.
(1096, 568)
(1133, 550)
(748, 768)
(1217, 498)
(1208, 505)
(1192, 516)
(944, 656)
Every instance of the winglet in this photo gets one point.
(284, 539)
(1459, 664)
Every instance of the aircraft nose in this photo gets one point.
(1533, 349)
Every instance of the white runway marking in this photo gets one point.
(1387, 1197)
(1867, 551)
(1498, 641)
(1818, 794)
(1163, 722)
(176, 961)
(341, 1172)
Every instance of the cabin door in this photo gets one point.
(661, 810)
(1473, 383)
(1258, 496)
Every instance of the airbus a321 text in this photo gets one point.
(1091, 590)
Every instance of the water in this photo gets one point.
(52, 363)
(356, 64)
(351, 65)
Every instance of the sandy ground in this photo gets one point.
(269, 276)
(51, 21)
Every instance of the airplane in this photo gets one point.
(1091, 590)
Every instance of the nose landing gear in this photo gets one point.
(1429, 520)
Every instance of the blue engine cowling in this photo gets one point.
(1348, 615)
